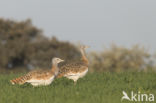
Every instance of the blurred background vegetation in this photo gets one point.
(119, 59)
(24, 47)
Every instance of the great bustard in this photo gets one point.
(40, 77)
(75, 70)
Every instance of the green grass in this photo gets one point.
(93, 88)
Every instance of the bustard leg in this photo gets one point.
(75, 82)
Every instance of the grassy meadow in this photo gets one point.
(93, 88)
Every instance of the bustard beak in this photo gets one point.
(61, 60)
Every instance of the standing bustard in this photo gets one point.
(40, 77)
(75, 70)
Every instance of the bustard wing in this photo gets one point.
(40, 74)
(71, 68)
(35, 74)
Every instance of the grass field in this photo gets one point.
(93, 88)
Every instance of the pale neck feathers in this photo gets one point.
(84, 58)
(55, 69)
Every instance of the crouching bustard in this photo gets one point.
(40, 77)
(75, 70)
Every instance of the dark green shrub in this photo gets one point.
(23, 45)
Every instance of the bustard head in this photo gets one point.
(56, 60)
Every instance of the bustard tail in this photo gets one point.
(20, 80)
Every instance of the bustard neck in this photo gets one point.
(55, 68)
(84, 58)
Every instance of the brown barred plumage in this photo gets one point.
(72, 67)
(75, 70)
(20, 80)
(39, 76)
